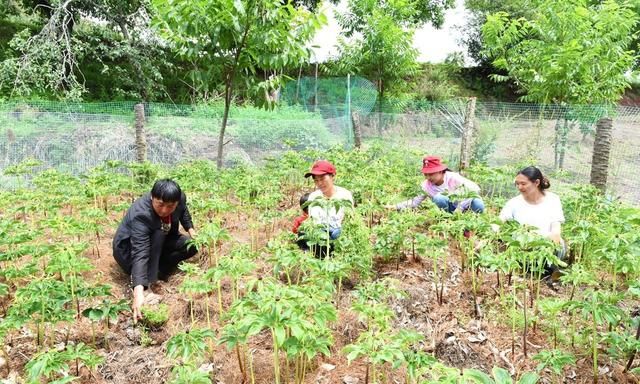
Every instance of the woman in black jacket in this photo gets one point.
(147, 244)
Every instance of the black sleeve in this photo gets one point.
(140, 249)
(185, 219)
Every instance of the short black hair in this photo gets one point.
(166, 190)
(303, 199)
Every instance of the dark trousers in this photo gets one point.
(319, 251)
(165, 254)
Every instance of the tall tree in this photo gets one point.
(378, 38)
(568, 52)
(478, 10)
(58, 46)
(230, 39)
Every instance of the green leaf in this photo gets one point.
(477, 376)
(280, 334)
(501, 376)
(529, 378)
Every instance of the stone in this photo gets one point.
(327, 367)
(350, 380)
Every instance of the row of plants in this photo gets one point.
(240, 291)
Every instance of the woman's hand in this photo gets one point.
(555, 233)
(138, 300)
(192, 233)
(555, 237)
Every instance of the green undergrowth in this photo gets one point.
(263, 287)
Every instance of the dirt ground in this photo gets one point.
(452, 331)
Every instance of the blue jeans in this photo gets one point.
(334, 233)
(443, 202)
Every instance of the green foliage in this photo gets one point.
(189, 346)
(106, 311)
(565, 52)
(478, 12)
(292, 297)
(51, 363)
(297, 317)
(500, 376)
(188, 374)
(281, 133)
(155, 316)
(554, 359)
(104, 49)
(384, 51)
(230, 40)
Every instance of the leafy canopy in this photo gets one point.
(224, 38)
(566, 52)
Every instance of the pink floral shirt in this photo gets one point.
(452, 181)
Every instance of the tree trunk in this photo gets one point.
(556, 145)
(141, 141)
(225, 118)
(601, 150)
(564, 138)
(298, 85)
(357, 129)
(315, 91)
(380, 100)
(467, 135)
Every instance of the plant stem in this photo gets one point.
(524, 332)
(595, 348)
(513, 323)
(191, 308)
(253, 376)
(633, 354)
(242, 370)
(276, 356)
(220, 296)
(207, 310)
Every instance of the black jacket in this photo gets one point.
(132, 241)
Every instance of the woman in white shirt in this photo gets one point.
(323, 173)
(536, 206)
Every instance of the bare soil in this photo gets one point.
(452, 331)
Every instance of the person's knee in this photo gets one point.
(190, 252)
(477, 205)
(561, 252)
(441, 201)
(334, 233)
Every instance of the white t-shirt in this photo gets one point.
(329, 217)
(540, 215)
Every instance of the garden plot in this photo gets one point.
(405, 298)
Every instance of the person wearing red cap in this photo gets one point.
(323, 173)
(441, 185)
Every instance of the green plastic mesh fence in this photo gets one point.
(76, 137)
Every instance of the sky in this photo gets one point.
(433, 44)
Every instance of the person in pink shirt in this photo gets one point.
(441, 185)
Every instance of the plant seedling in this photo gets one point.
(106, 311)
(155, 317)
(500, 376)
(188, 374)
(555, 360)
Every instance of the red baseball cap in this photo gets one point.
(321, 167)
(432, 164)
